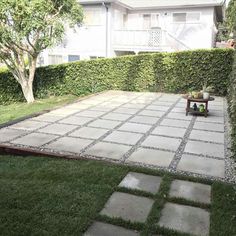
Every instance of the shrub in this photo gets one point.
(166, 72)
(232, 105)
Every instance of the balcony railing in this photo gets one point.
(138, 38)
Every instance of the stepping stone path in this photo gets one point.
(147, 129)
(131, 207)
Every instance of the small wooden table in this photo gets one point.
(197, 100)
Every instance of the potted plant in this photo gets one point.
(206, 89)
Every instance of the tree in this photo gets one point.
(231, 17)
(27, 27)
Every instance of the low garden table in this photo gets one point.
(197, 100)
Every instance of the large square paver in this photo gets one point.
(116, 116)
(152, 113)
(90, 113)
(191, 191)
(185, 219)
(124, 110)
(211, 119)
(9, 134)
(132, 127)
(202, 148)
(108, 150)
(134, 106)
(76, 120)
(29, 125)
(34, 139)
(175, 123)
(128, 207)
(106, 124)
(47, 117)
(157, 108)
(207, 136)
(89, 132)
(145, 120)
(123, 137)
(209, 126)
(69, 144)
(151, 157)
(169, 131)
(160, 142)
(179, 116)
(147, 183)
(59, 129)
(104, 229)
(202, 165)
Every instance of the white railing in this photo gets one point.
(138, 38)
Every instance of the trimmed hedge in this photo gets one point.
(163, 72)
(232, 105)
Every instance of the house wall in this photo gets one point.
(92, 40)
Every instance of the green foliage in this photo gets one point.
(231, 16)
(232, 104)
(163, 72)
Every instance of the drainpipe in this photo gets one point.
(107, 11)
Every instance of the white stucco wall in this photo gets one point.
(90, 40)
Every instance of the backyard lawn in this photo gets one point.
(20, 109)
(43, 196)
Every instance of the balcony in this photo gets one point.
(140, 40)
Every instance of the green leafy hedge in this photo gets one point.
(168, 72)
(232, 105)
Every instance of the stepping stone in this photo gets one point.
(101, 108)
(149, 120)
(180, 116)
(147, 183)
(202, 165)
(185, 219)
(60, 129)
(134, 106)
(160, 142)
(128, 207)
(9, 134)
(209, 126)
(34, 139)
(63, 112)
(152, 113)
(69, 144)
(106, 124)
(207, 136)
(151, 157)
(211, 119)
(76, 120)
(29, 125)
(169, 131)
(175, 123)
(108, 150)
(201, 148)
(104, 229)
(191, 191)
(178, 110)
(138, 128)
(89, 132)
(123, 137)
(116, 116)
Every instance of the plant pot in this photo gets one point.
(206, 95)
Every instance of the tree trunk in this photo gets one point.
(27, 89)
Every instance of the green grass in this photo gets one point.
(18, 110)
(43, 196)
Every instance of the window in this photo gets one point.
(92, 17)
(125, 20)
(146, 21)
(95, 57)
(186, 17)
(55, 59)
(73, 58)
(155, 20)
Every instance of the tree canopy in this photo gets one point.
(27, 27)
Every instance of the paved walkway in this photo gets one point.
(148, 129)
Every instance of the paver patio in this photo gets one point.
(148, 129)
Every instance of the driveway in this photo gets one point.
(147, 129)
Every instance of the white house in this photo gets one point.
(119, 27)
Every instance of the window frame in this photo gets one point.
(186, 22)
